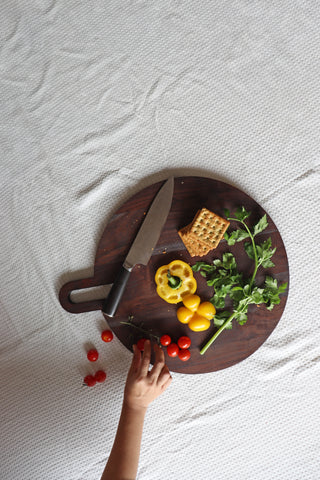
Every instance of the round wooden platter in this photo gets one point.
(142, 307)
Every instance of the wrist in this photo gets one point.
(136, 409)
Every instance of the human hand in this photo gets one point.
(144, 386)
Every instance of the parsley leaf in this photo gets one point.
(261, 225)
(220, 318)
(272, 291)
(236, 236)
(265, 252)
(249, 250)
(222, 275)
(241, 214)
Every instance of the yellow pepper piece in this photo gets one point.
(196, 316)
(191, 302)
(198, 323)
(175, 281)
(184, 314)
(206, 310)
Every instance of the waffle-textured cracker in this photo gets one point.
(208, 228)
(203, 233)
(194, 247)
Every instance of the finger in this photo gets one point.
(159, 362)
(136, 359)
(145, 362)
(166, 384)
(164, 376)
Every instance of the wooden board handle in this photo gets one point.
(79, 307)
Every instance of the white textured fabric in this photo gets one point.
(98, 100)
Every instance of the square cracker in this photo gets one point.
(208, 228)
(194, 247)
(203, 233)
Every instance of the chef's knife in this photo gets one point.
(143, 245)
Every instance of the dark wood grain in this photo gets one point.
(141, 303)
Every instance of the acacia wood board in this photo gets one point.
(141, 305)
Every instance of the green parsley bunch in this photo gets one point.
(224, 277)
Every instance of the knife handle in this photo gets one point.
(112, 301)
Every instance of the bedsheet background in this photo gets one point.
(98, 100)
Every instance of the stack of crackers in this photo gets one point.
(203, 233)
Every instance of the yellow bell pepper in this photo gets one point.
(175, 281)
(197, 315)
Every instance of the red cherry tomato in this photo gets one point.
(90, 381)
(184, 342)
(172, 350)
(92, 355)
(165, 340)
(100, 376)
(184, 354)
(107, 335)
(140, 344)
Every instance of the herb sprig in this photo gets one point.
(141, 329)
(224, 277)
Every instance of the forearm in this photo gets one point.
(124, 457)
(142, 387)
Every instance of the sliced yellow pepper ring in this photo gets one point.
(175, 281)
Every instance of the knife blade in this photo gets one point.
(142, 246)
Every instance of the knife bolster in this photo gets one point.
(128, 266)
